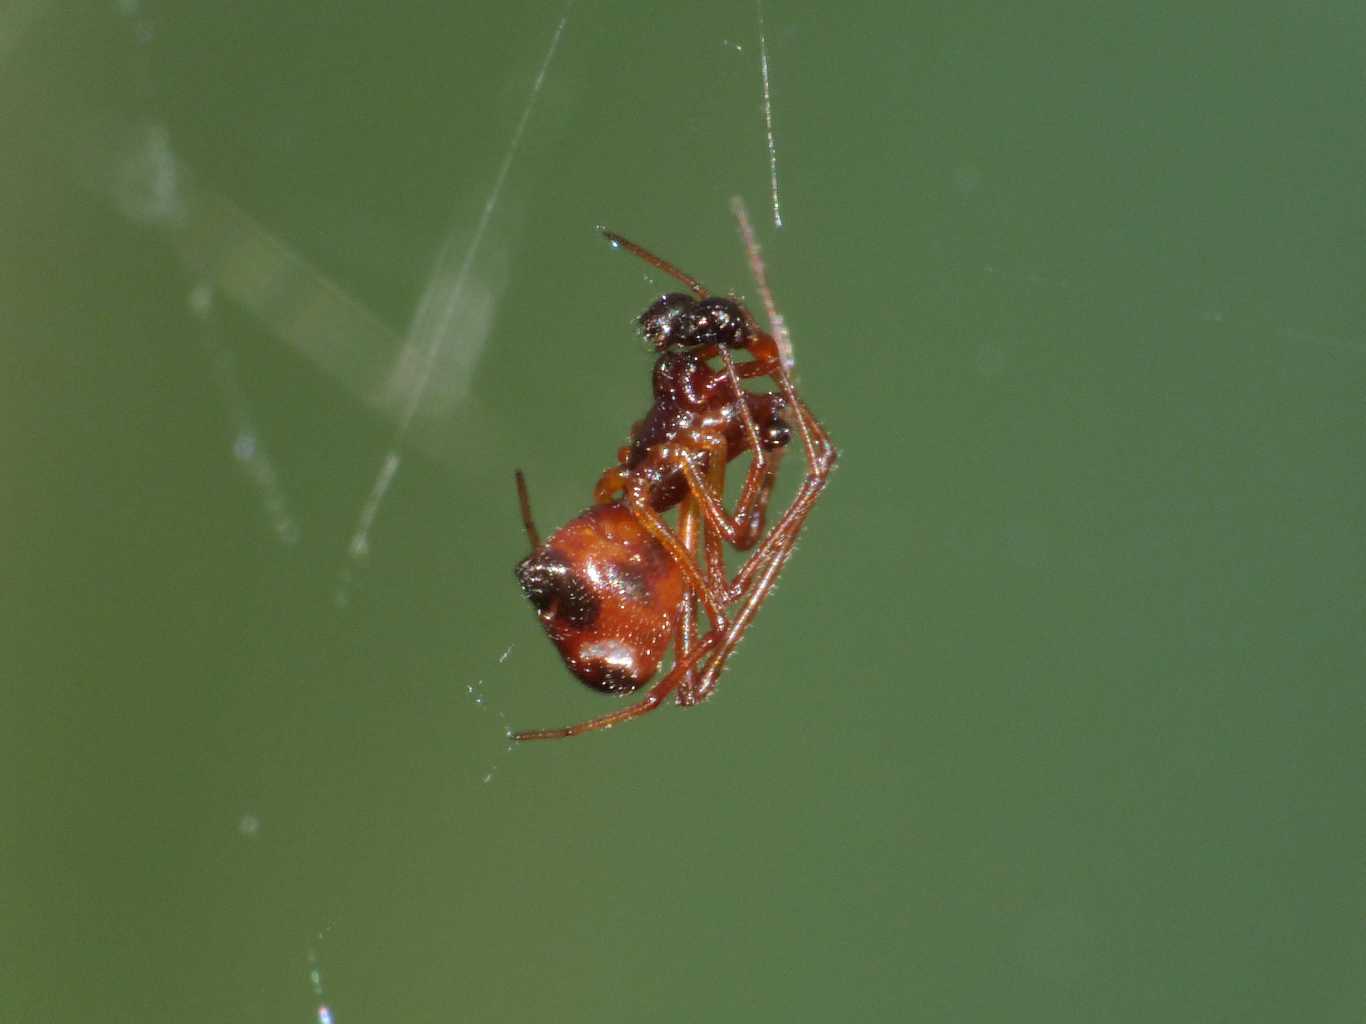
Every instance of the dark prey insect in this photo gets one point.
(617, 584)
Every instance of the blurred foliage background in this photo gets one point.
(1057, 714)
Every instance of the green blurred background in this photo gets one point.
(1057, 714)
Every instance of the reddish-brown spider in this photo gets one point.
(614, 586)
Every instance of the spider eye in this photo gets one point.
(661, 322)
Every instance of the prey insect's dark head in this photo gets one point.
(678, 321)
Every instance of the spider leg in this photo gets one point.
(821, 457)
(756, 577)
(685, 626)
(716, 571)
(653, 699)
(714, 558)
(819, 449)
(756, 267)
(763, 586)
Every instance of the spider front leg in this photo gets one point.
(821, 457)
(755, 579)
(757, 576)
(772, 564)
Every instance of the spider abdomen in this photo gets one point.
(607, 595)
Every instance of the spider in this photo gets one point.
(615, 585)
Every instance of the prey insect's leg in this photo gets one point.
(784, 532)
(746, 417)
(527, 521)
(659, 264)
(610, 484)
(744, 526)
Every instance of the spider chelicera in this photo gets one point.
(616, 585)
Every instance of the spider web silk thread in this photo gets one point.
(359, 546)
(768, 118)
